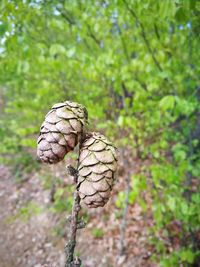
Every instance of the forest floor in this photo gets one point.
(32, 235)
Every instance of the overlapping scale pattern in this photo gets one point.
(61, 131)
(96, 170)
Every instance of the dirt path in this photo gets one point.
(25, 239)
(26, 230)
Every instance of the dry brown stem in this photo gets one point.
(75, 224)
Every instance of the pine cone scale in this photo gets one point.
(52, 118)
(58, 105)
(100, 146)
(65, 113)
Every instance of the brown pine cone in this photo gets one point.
(61, 131)
(96, 170)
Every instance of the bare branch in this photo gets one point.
(143, 34)
(146, 41)
(125, 210)
(92, 35)
(70, 246)
(75, 224)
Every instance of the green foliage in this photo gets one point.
(138, 187)
(26, 212)
(120, 200)
(62, 200)
(63, 195)
(29, 210)
(134, 64)
(22, 164)
(97, 232)
(183, 256)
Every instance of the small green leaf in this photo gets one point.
(3, 29)
(97, 232)
(71, 52)
(57, 49)
(181, 15)
(167, 102)
(171, 203)
(120, 121)
(187, 256)
(184, 208)
(120, 200)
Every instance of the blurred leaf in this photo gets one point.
(167, 102)
(57, 49)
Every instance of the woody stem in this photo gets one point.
(70, 246)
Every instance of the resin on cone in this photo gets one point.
(96, 170)
(61, 131)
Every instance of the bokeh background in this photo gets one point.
(135, 66)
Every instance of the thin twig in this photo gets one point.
(147, 43)
(70, 247)
(75, 224)
(143, 34)
(125, 210)
(123, 225)
(93, 36)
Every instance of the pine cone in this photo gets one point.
(61, 131)
(97, 166)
